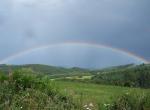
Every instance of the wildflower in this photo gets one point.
(91, 105)
(88, 108)
(85, 106)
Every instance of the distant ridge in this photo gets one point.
(44, 69)
(53, 70)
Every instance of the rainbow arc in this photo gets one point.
(30, 50)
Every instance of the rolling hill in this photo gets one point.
(132, 76)
(46, 69)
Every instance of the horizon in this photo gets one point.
(132, 64)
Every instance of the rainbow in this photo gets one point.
(30, 50)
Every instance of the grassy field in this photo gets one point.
(25, 90)
(79, 77)
(96, 94)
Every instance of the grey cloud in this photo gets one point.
(120, 23)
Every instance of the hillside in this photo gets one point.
(113, 68)
(124, 75)
(46, 69)
(132, 76)
(25, 90)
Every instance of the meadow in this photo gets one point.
(97, 95)
(27, 89)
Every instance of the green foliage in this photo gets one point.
(52, 71)
(27, 91)
(3, 77)
(137, 76)
(44, 69)
(131, 102)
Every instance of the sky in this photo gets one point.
(121, 24)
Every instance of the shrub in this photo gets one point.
(131, 102)
(28, 91)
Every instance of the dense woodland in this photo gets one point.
(131, 76)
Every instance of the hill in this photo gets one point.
(132, 75)
(25, 90)
(129, 75)
(53, 71)
(113, 68)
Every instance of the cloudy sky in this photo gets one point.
(122, 24)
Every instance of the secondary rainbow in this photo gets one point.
(96, 45)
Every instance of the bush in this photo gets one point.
(27, 91)
(131, 102)
(3, 77)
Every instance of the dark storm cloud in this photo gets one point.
(120, 23)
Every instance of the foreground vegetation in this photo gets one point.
(24, 89)
(105, 97)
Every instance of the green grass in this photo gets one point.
(79, 77)
(24, 90)
(96, 94)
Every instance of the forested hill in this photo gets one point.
(133, 76)
(53, 70)
(114, 68)
(47, 69)
(125, 75)
(44, 69)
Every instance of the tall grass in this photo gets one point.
(24, 90)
